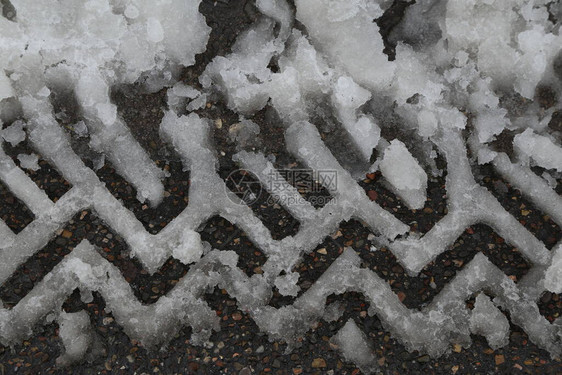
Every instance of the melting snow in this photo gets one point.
(455, 62)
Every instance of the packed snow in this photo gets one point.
(406, 177)
(487, 320)
(355, 347)
(464, 77)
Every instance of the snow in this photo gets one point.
(487, 28)
(428, 124)
(326, 21)
(540, 149)
(6, 90)
(487, 320)
(93, 48)
(154, 30)
(287, 284)
(553, 277)
(240, 75)
(80, 129)
(29, 161)
(14, 134)
(78, 338)
(355, 347)
(191, 248)
(244, 132)
(404, 174)
(348, 97)
(462, 83)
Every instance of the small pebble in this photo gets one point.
(318, 363)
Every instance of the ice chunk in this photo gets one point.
(29, 161)
(404, 174)
(286, 91)
(347, 98)
(80, 129)
(240, 75)
(553, 276)
(180, 93)
(413, 77)
(14, 134)
(154, 30)
(314, 74)
(182, 90)
(107, 113)
(450, 117)
(349, 95)
(182, 40)
(79, 339)
(328, 20)
(281, 12)
(131, 11)
(427, 123)
(355, 348)
(6, 90)
(44, 92)
(244, 132)
(485, 155)
(333, 311)
(190, 248)
(538, 50)
(488, 29)
(287, 284)
(551, 181)
(490, 119)
(487, 320)
(366, 134)
(197, 103)
(540, 149)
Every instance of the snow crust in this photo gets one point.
(465, 76)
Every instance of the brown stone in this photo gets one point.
(237, 316)
(500, 359)
(318, 363)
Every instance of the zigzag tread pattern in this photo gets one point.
(183, 306)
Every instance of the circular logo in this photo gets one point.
(245, 185)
